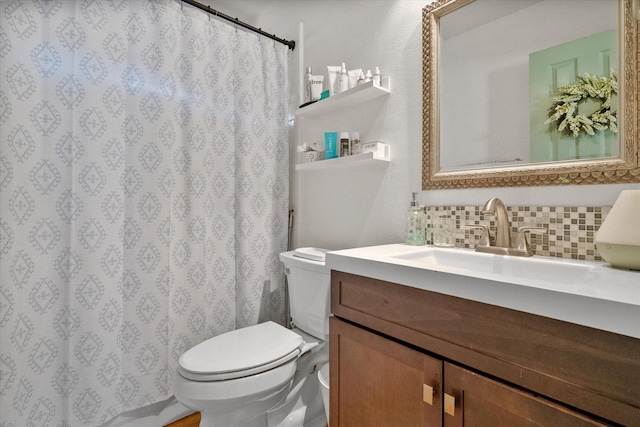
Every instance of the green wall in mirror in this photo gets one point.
(576, 73)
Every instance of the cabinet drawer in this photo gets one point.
(479, 401)
(589, 369)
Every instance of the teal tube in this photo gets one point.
(330, 145)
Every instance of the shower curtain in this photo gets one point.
(143, 199)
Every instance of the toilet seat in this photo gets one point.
(240, 353)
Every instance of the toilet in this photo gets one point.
(266, 375)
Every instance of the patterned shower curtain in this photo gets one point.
(143, 199)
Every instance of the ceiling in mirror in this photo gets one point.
(510, 101)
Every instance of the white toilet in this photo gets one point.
(266, 375)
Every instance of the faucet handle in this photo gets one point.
(485, 237)
(522, 241)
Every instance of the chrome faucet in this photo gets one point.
(502, 243)
(503, 232)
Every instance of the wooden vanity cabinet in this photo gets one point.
(402, 356)
(388, 384)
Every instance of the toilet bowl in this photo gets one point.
(323, 377)
(265, 375)
(235, 378)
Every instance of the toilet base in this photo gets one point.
(251, 413)
(218, 420)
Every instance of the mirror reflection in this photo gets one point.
(527, 81)
(539, 93)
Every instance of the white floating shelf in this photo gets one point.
(341, 162)
(357, 95)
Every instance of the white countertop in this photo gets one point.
(593, 294)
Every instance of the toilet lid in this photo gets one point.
(242, 352)
(315, 254)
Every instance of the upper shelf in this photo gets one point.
(357, 95)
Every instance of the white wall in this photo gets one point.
(360, 207)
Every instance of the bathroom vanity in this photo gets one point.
(420, 340)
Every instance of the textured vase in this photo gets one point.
(618, 239)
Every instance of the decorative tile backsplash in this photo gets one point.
(570, 230)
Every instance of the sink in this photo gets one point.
(589, 293)
(548, 270)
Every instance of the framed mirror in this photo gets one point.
(529, 92)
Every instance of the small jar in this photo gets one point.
(344, 144)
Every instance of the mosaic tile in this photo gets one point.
(570, 234)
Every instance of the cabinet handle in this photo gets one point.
(427, 394)
(449, 404)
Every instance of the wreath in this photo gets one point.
(565, 105)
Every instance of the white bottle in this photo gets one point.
(307, 86)
(367, 77)
(376, 77)
(343, 79)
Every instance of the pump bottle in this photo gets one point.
(377, 78)
(343, 79)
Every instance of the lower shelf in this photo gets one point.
(341, 162)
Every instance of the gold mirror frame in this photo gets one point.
(625, 169)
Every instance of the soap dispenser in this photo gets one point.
(415, 223)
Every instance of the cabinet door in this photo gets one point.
(378, 382)
(472, 400)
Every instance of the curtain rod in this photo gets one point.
(209, 9)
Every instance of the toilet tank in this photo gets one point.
(309, 283)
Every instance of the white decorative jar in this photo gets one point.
(618, 239)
